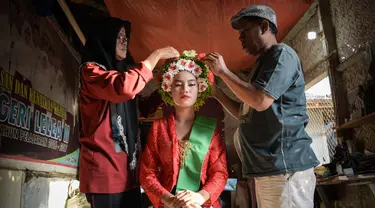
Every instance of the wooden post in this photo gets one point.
(339, 96)
(72, 20)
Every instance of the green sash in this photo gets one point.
(200, 139)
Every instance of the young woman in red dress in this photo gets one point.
(184, 162)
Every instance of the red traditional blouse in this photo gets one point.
(102, 169)
(160, 164)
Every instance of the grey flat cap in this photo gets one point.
(261, 11)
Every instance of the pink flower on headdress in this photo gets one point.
(166, 86)
(167, 77)
(173, 68)
(191, 64)
(202, 87)
(201, 56)
(202, 84)
(197, 71)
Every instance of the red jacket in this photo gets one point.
(160, 163)
(102, 170)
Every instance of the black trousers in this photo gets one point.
(131, 198)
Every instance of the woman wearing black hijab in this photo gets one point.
(109, 137)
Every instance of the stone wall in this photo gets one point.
(39, 89)
(312, 53)
(355, 24)
(355, 27)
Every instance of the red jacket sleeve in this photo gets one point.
(112, 85)
(217, 173)
(150, 166)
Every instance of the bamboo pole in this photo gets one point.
(72, 20)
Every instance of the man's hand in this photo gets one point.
(187, 198)
(216, 63)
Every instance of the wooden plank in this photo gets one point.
(301, 23)
(358, 122)
(335, 180)
(316, 80)
(319, 107)
(72, 20)
(100, 5)
(351, 60)
(338, 92)
(327, 202)
(64, 38)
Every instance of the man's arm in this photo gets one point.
(230, 105)
(276, 75)
(246, 92)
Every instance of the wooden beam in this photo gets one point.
(301, 23)
(316, 80)
(358, 122)
(320, 76)
(338, 92)
(63, 37)
(352, 60)
(93, 4)
(72, 20)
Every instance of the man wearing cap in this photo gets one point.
(275, 148)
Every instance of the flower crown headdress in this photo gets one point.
(192, 62)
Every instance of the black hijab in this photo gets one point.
(101, 44)
(101, 48)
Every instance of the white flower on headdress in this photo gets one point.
(168, 77)
(197, 70)
(191, 53)
(181, 64)
(202, 85)
(166, 86)
(173, 69)
(191, 65)
(201, 80)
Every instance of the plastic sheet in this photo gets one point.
(202, 25)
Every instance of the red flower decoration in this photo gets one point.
(168, 77)
(165, 87)
(211, 77)
(191, 65)
(201, 56)
(203, 87)
(173, 67)
(183, 62)
(197, 69)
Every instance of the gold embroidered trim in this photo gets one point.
(185, 149)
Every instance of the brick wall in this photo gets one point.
(311, 52)
(355, 26)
